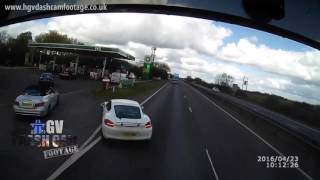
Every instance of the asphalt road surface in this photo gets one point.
(294, 125)
(192, 138)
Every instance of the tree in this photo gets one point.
(224, 80)
(22, 41)
(3, 37)
(189, 78)
(13, 50)
(3, 47)
(55, 37)
(162, 65)
(136, 70)
(158, 72)
(17, 48)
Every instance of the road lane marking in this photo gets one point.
(246, 127)
(74, 158)
(82, 150)
(86, 142)
(90, 138)
(211, 164)
(184, 96)
(190, 109)
(146, 100)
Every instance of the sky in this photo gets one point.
(199, 48)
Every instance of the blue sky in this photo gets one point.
(266, 38)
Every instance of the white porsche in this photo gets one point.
(124, 120)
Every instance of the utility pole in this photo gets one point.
(153, 53)
(245, 82)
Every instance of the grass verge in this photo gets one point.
(124, 93)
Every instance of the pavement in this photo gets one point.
(193, 138)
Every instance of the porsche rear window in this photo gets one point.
(128, 112)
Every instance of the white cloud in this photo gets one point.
(33, 26)
(162, 31)
(300, 65)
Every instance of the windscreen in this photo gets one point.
(208, 88)
(47, 76)
(33, 92)
(128, 112)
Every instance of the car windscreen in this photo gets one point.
(128, 112)
(34, 92)
(46, 75)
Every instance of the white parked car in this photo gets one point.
(215, 89)
(36, 101)
(123, 119)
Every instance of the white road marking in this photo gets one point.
(146, 100)
(211, 164)
(190, 109)
(85, 143)
(184, 97)
(90, 138)
(246, 127)
(82, 150)
(74, 158)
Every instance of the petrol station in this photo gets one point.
(80, 60)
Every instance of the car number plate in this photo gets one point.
(129, 134)
(27, 104)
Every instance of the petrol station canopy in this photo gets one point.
(96, 51)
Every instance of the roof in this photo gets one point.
(85, 49)
(124, 102)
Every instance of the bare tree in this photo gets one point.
(3, 37)
(224, 79)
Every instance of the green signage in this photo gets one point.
(147, 67)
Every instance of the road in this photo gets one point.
(192, 139)
(307, 132)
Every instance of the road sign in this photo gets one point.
(147, 59)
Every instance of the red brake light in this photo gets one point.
(108, 123)
(39, 104)
(148, 125)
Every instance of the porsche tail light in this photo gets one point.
(148, 125)
(108, 123)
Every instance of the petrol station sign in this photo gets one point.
(147, 67)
